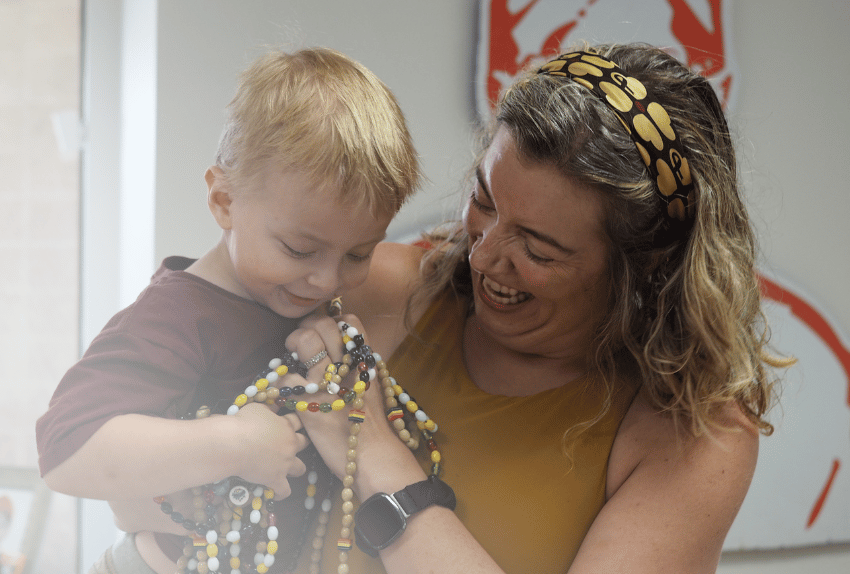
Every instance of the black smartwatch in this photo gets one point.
(383, 517)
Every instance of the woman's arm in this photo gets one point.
(671, 497)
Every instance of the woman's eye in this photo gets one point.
(477, 204)
(534, 257)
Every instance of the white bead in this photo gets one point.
(272, 377)
(420, 416)
(340, 324)
(258, 491)
(255, 516)
(251, 391)
(236, 525)
(294, 356)
(350, 346)
(377, 356)
(373, 374)
(233, 536)
(311, 388)
(235, 549)
(212, 563)
(391, 380)
(235, 571)
(309, 503)
(313, 477)
(212, 536)
(272, 533)
(268, 560)
(403, 398)
(352, 332)
(192, 564)
(232, 410)
(258, 558)
(275, 363)
(327, 504)
(333, 388)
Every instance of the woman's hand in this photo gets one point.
(383, 461)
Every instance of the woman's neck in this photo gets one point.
(498, 370)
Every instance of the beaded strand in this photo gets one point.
(220, 508)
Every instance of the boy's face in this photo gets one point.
(292, 246)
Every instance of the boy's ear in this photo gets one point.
(219, 196)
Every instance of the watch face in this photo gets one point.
(379, 521)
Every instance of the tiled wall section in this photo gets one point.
(39, 236)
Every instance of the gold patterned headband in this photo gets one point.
(645, 119)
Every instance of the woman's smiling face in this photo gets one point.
(538, 254)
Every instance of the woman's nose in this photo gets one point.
(487, 252)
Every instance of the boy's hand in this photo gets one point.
(269, 444)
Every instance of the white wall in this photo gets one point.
(790, 115)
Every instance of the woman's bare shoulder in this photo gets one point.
(650, 437)
(671, 495)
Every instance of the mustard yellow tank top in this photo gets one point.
(526, 503)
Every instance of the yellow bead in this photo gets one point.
(261, 384)
(212, 550)
(241, 400)
(282, 370)
(420, 425)
(235, 563)
(311, 490)
(272, 547)
(359, 387)
(435, 456)
(412, 406)
(262, 569)
(345, 339)
(268, 494)
(257, 503)
(397, 389)
(430, 425)
(329, 376)
(301, 406)
(331, 368)
(338, 405)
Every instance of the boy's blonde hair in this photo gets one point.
(320, 113)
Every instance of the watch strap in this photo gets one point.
(411, 499)
(420, 495)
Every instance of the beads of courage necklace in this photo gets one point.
(220, 519)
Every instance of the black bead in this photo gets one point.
(298, 390)
(177, 517)
(358, 340)
(166, 507)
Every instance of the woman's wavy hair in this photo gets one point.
(687, 311)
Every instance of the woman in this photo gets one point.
(589, 340)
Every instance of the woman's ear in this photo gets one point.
(219, 196)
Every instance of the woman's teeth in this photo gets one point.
(503, 295)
